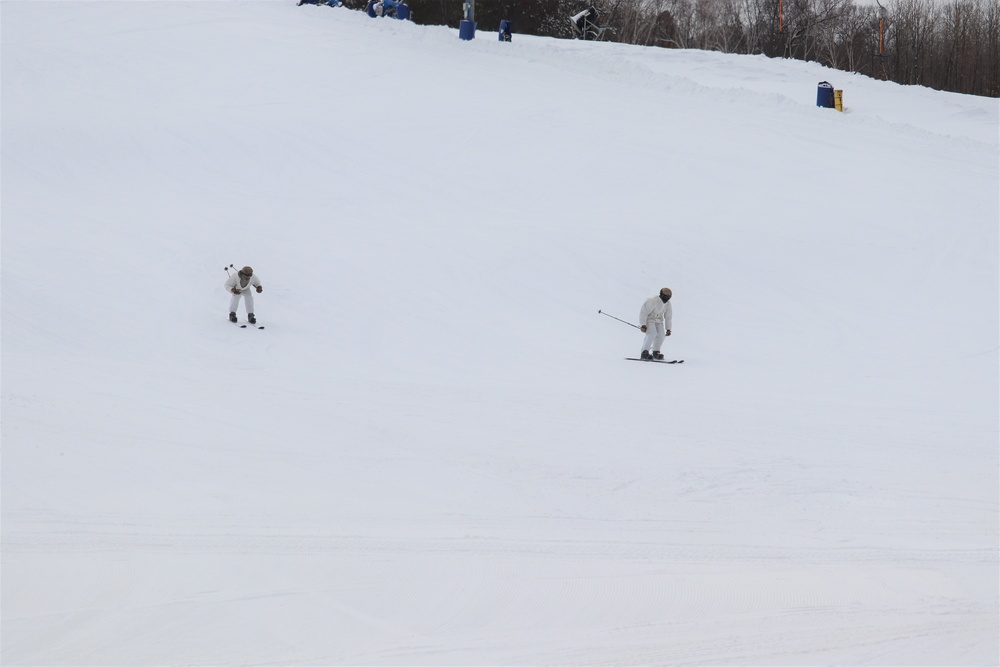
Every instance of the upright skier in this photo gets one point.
(241, 284)
(654, 319)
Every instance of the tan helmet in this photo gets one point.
(247, 270)
(666, 292)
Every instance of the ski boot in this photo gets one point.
(251, 319)
(232, 317)
(646, 356)
(657, 355)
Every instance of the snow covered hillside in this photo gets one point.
(435, 452)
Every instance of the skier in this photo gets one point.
(654, 318)
(239, 284)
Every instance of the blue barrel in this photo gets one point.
(824, 95)
(467, 30)
(402, 11)
(506, 29)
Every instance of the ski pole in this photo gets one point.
(615, 318)
(226, 269)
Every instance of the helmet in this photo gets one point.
(247, 270)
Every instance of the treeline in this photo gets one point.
(953, 46)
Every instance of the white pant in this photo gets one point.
(235, 301)
(655, 333)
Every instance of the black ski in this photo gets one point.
(657, 361)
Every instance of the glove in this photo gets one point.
(643, 328)
(259, 289)
(234, 291)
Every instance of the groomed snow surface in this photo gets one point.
(435, 452)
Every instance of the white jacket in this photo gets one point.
(234, 281)
(654, 310)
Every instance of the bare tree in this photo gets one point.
(991, 48)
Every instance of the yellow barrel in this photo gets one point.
(838, 100)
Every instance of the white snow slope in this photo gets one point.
(435, 452)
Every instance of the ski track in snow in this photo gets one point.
(449, 587)
(434, 453)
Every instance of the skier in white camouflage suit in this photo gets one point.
(241, 284)
(654, 319)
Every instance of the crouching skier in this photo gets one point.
(241, 284)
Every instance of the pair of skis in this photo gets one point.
(246, 325)
(657, 361)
